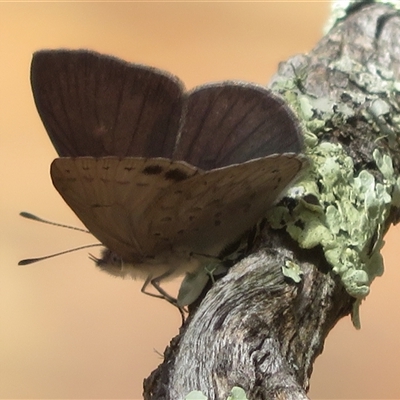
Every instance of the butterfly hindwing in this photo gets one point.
(141, 207)
(228, 123)
(211, 209)
(111, 197)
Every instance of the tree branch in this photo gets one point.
(257, 328)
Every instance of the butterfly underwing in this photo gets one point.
(164, 178)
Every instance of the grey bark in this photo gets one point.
(255, 328)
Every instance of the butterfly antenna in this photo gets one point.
(36, 218)
(33, 260)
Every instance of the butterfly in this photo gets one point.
(164, 178)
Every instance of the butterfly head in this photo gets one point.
(111, 263)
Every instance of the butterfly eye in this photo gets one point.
(108, 258)
(115, 260)
(110, 262)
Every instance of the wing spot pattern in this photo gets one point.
(153, 170)
(97, 205)
(176, 175)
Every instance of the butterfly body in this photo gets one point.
(169, 265)
(162, 177)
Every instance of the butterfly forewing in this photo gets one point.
(95, 105)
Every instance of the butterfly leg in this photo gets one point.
(155, 282)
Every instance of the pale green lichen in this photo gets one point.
(195, 282)
(339, 10)
(195, 395)
(237, 393)
(347, 221)
(348, 209)
(379, 108)
(292, 271)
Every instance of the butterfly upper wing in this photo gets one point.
(97, 105)
(111, 196)
(229, 123)
(210, 210)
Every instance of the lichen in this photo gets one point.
(338, 207)
(340, 8)
(292, 271)
(195, 395)
(351, 209)
(237, 393)
(194, 282)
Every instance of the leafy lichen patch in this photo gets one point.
(292, 271)
(350, 207)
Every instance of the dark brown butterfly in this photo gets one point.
(165, 179)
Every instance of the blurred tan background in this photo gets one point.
(68, 330)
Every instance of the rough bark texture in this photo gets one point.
(255, 328)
